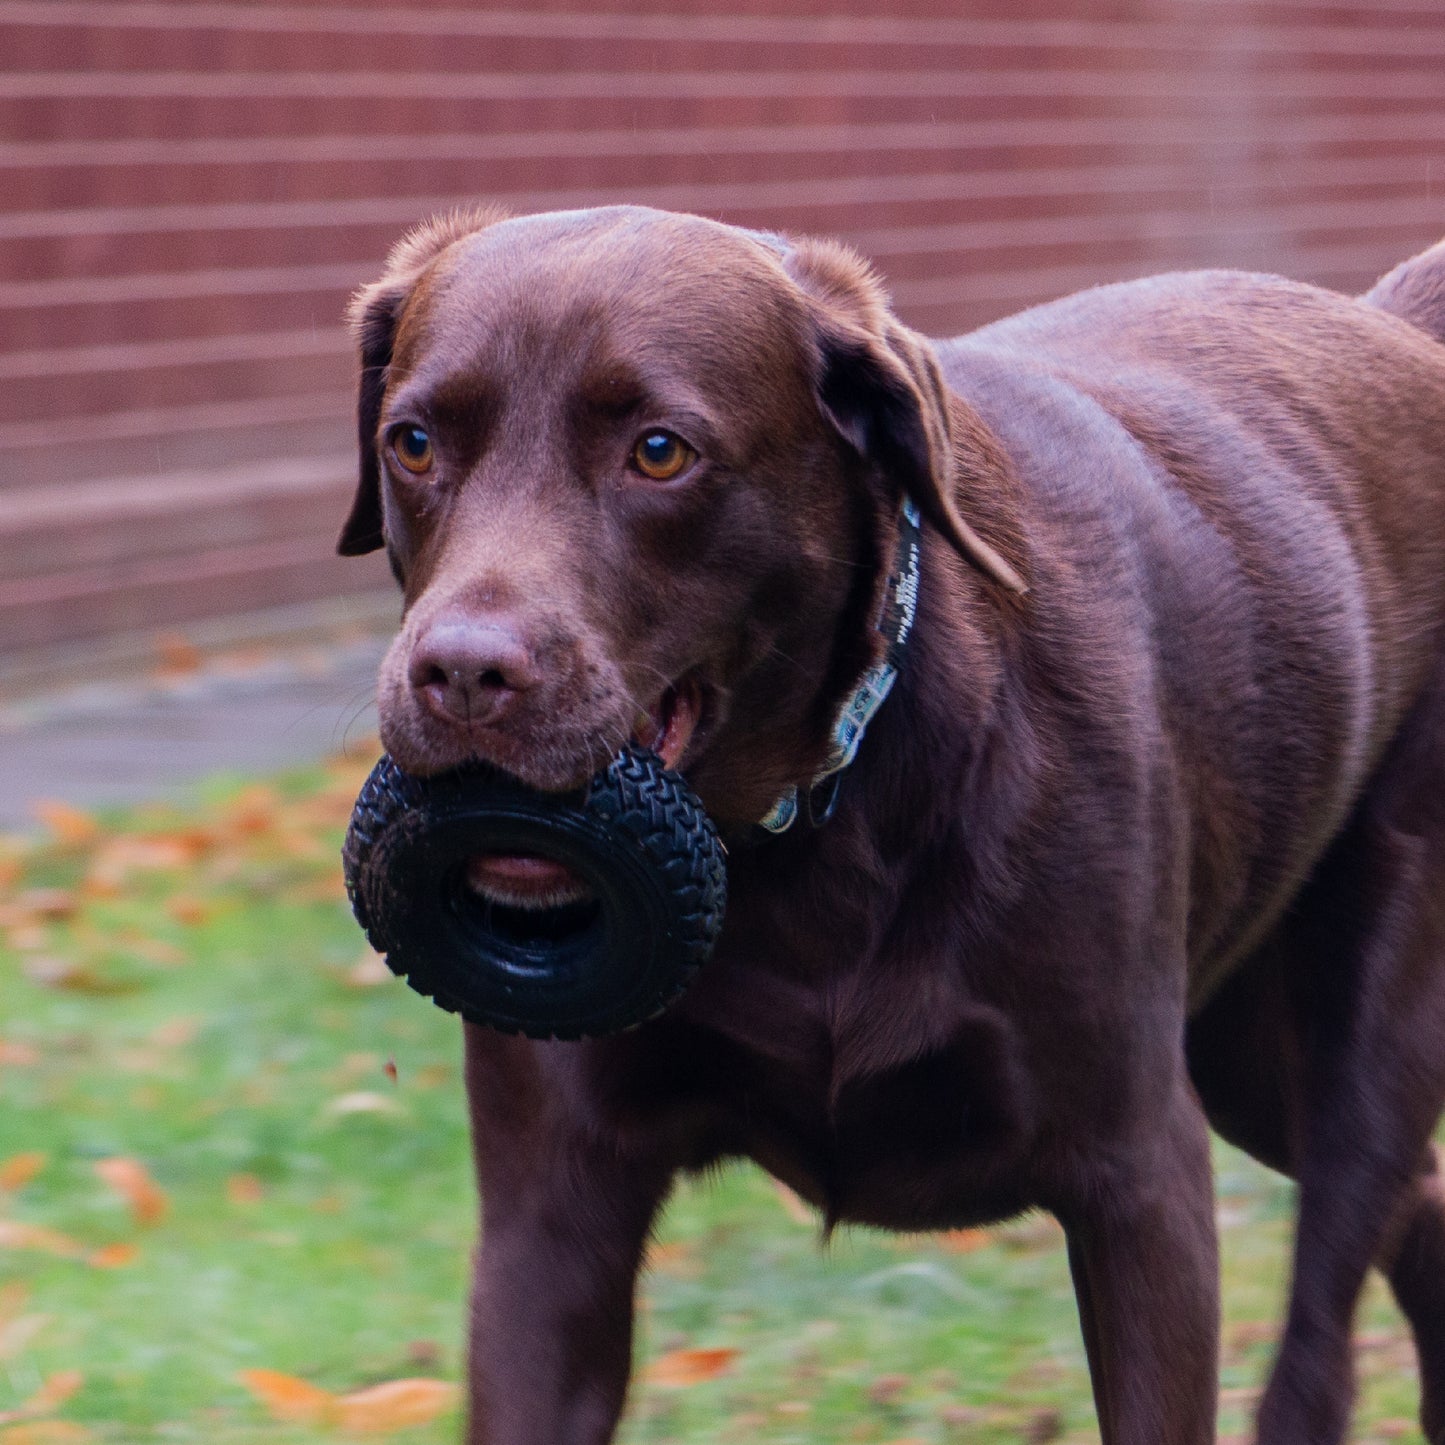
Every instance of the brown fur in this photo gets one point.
(1155, 843)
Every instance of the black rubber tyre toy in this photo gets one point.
(636, 835)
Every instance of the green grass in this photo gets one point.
(183, 996)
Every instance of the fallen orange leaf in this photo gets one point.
(12, 1300)
(46, 1432)
(113, 1256)
(793, 1206)
(46, 905)
(245, 1189)
(178, 655)
(288, 1398)
(54, 1391)
(362, 1101)
(395, 1405)
(16, 1335)
(963, 1241)
(19, 1055)
(14, 1235)
(253, 810)
(72, 977)
(67, 823)
(19, 1169)
(369, 971)
(159, 951)
(128, 1178)
(676, 1257)
(679, 1368)
(190, 911)
(176, 1032)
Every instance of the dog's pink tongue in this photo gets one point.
(520, 875)
(669, 730)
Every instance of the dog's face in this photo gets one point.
(638, 477)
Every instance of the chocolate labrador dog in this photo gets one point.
(1146, 833)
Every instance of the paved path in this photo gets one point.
(153, 738)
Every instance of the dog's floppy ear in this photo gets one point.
(880, 386)
(374, 312)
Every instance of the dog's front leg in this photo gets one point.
(565, 1217)
(1144, 1259)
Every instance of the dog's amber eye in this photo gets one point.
(662, 456)
(412, 448)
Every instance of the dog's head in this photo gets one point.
(638, 475)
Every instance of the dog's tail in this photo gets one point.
(1415, 290)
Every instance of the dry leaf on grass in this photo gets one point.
(19, 1169)
(72, 977)
(45, 905)
(793, 1206)
(363, 1101)
(16, 1334)
(245, 1189)
(128, 1178)
(113, 1256)
(15, 1235)
(288, 1398)
(13, 1297)
(46, 1432)
(963, 1241)
(395, 1405)
(176, 655)
(377, 1410)
(177, 1032)
(680, 1368)
(66, 823)
(676, 1258)
(252, 811)
(368, 971)
(54, 1391)
(886, 1389)
(160, 952)
(192, 912)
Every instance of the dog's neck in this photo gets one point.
(894, 623)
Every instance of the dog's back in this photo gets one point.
(1194, 434)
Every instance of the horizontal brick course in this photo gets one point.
(190, 191)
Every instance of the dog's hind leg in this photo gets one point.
(1336, 1074)
(1414, 1260)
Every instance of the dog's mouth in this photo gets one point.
(668, 726)
(530, 881)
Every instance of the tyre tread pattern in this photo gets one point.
(635, 796)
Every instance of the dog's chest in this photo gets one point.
(897, 1102)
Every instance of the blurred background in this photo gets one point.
(189, 191)
(234, 1193)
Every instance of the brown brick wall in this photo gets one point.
(189, 191)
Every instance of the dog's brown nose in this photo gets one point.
(471, 671)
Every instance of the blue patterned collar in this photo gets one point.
(900, 606)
